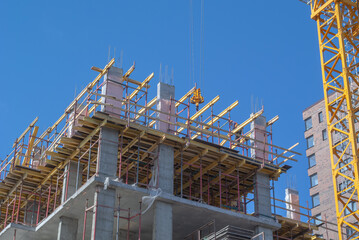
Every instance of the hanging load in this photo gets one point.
(197, 98)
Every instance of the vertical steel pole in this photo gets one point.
(89, 161)
(181, 173)
(85, 219)
(128, 224)
(13, 208)
(18, 207)
(118, 219)
(220, 188)
(38, 207)
(139, 224)
(78, 172)
(120, 165)
(200, 172)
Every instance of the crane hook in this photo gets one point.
(197, 98)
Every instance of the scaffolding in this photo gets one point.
(212, 152)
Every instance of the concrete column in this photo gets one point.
(258, 128)
(67, 228)
(162, 221)
(163, 168)
(292, 197)
(163, 165)
(262, 202)
(72, 180)
(80, 114)
(104, 200)
(103, 220)
(132, 235)
(107, 152)
(267, 233)
(165, 93)
(112, 87)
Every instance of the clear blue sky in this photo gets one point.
(252, 49)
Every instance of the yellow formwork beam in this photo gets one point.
(187, 95)
(143, 84)
(178, 103)
(245, 123)
(30, 146)
(215, 119)
(129, 71)
(149, 105)
(201, 111)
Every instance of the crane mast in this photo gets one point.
(338, 29)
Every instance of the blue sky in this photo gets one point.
(265, 50)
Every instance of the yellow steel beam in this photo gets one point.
(273, 120)
(27, 130)
(187, 95)
(30, 146)
(204, 171)
(76, 100)
(247, 135)
(201, 111)
(182, 99)
(129, 71)
(143, 84)
(215, 119)
(245, 123)
(192, 161)
(153, 147)
(149, 105)
(130, 80)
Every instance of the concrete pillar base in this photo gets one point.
(67, 228)
(262, 199)
(267, 233)
(103, 219)
(162, 221)
(72, 180)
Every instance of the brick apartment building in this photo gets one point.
(319, 170)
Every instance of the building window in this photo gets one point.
(310, 141)
(342, 164)
(320, 117)
(311, 160)
(317, 219)
(324, 134)
(345, 185)
(313, 180)
(352, 206)
(351, 233)
(308, 123)
(315, 200)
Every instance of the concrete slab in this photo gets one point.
(187, 215)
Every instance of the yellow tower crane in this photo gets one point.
(337, 23)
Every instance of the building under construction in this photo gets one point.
(119, 164)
